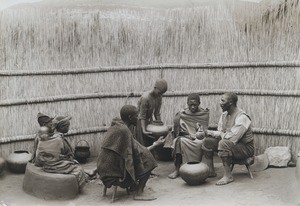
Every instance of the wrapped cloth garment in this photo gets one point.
(186, 139)
(53, 156)
(122, 160)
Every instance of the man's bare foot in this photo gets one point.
(91, 173)
(144, 197)
(212, 174)
(225, 180)
(174, 174)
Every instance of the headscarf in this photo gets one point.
(62, 123)
(161, 85)
(43, 119)
(194, 96)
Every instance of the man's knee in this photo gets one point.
(225, 148)
(224, 154)
(225, 145)
(210, 144)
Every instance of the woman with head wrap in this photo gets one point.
(61, 126)
(55, 155)
(149, 106)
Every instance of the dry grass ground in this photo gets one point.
(273, 186)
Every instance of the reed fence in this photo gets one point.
(206, 49)
(274, 112)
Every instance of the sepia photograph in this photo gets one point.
(150, 102)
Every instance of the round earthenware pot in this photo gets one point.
(17, 161)
(82, 152)
(2, 164)
(194, 173)
(158, 129)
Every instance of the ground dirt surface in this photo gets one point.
(273, 186)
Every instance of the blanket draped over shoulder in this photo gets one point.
(53, 156)
(121, 155)
(187, 121)
(185, 125)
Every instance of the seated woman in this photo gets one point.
(188, 133)
(122, 160)
(54, 154)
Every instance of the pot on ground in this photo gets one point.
(82, 152)
(17, 161)
(194, 173)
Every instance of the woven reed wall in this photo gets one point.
(37, 45)
(93, 99)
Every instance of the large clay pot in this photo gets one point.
(158, 129)
(194, 173)
(82, 152)
(18, 160)
(2, 165)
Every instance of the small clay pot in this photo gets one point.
(82, 152)
(157, 129)
(194, 173)
(18, 160)
(2, 164)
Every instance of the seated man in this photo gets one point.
(188, 133)
(233, 140)
(122, 160)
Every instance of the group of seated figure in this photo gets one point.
(126, 154)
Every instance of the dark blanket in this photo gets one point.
(121, 154)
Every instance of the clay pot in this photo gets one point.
(158, 129)
(194, 173)
(82, 152)
(2, 164)
(18, 160)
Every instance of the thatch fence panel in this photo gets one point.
(266, 111)
(268, 92)
(26, 84)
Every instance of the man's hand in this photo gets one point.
(160, 141)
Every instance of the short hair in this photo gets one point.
(161, 85)
(193, 96)
(126, 111)
(232, 96)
